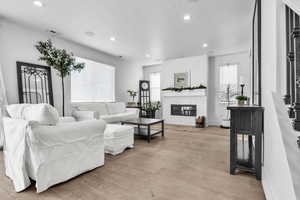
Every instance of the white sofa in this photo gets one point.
(109, 112)
(40, 146)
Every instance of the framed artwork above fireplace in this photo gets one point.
(181, 80)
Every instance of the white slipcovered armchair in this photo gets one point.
(39, 147)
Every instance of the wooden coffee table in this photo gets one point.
(144, 127)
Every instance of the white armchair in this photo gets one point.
(51, 154)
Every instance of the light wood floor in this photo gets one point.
(188, 164)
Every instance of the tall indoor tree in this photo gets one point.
(60, 60)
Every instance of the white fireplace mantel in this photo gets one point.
(188, 97)
(186, 93)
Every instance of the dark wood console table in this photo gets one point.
(246, 132)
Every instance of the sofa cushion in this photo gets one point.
(44, 114)
(115, 108)
(98, 107)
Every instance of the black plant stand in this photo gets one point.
(246, 132)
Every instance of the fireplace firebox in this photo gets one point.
(184, 110)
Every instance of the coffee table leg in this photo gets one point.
(149, 135)
(162, 128)
(139, 129)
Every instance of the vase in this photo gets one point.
(131, 104)
(241, 102)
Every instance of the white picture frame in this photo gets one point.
(181, 80)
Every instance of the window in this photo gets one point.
(228, 76)
(95, 83)
(155, 86)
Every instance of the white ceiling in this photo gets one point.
(141, 27)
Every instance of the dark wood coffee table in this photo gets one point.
(144, 127)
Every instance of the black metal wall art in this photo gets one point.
(34, 83)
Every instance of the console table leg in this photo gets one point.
(162, 129)
(149, 135)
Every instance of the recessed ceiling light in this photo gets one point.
(148, 55)
(112, 39)
(38, 3)
(51, 32)
(90, 33)
(205, 45)
(187, 17)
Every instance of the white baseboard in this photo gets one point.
(268, 192)
(213, 123)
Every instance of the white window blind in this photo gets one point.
(228, 76)
(155, 86)
(95, 83)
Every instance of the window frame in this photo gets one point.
(151, 86)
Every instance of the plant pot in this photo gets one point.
(150, 113)
(241, 102)
(131, 103)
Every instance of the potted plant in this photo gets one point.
(60, 60)
(241, 99)
(151, 109)
(132, 94)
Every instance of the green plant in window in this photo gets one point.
(60, 60)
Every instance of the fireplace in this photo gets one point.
(184, 110)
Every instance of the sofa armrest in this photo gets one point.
(85, 115)
(66, 119)
(134, 110)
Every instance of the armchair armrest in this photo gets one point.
(134, 110)
(14, 132)
(66, 132)
(85, 115)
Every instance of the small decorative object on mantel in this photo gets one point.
(175, 89)
(200, 122)
(60, 60)
(132, 94)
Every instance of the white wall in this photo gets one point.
(242, 59)
(128, 75)
(17, 44)
(276, 174)
(197, 66)
(147, 70)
